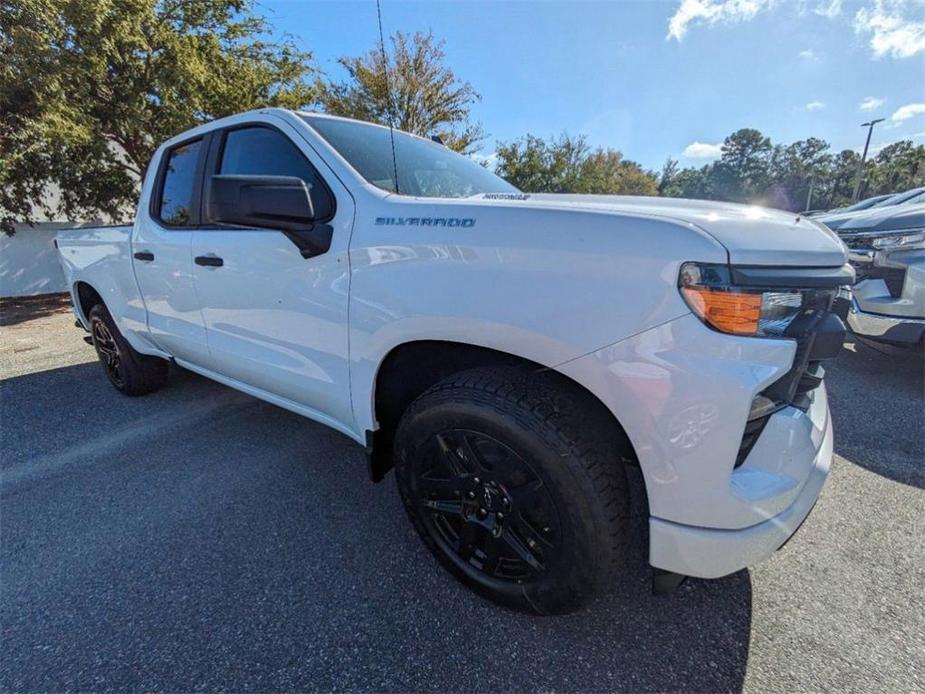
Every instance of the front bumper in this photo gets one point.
(709, 553)
(889, 296)
(682, 393)
(893, 329)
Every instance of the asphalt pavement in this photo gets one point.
(199, 539)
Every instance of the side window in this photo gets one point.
(176, 199)
(265, 152)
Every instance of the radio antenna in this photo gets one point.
(388, 89)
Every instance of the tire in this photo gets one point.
(130, 372)
(515, 481)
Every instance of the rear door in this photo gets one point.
(161, 252)
(277, 321)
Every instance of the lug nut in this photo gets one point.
(471, 495)
(477, 480)
(500, 516)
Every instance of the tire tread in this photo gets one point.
(546, 400)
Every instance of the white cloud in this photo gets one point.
(896, 27)
(870, 103)
(703, 150)
(815, 106)
(918, 136)
(830, 9)
(710, 12)
(906, 112)
(808, 54)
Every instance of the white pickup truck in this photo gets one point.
(507, 353)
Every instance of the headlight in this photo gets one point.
(904, 240)
(709, 292)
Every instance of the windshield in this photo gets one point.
(425, 168)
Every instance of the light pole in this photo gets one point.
(857, 181)
(809, 196)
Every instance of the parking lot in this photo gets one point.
(198, 538)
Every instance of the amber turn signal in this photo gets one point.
(729, 311)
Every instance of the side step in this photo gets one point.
(665, 582)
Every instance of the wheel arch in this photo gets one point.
(410, 368)
(86, 297)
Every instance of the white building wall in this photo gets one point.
(29, 261)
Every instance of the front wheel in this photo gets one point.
(129, 371)
(515, 481)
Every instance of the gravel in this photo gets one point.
(198, 538)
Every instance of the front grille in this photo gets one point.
(819, 333)
(818, 319)
(857, 242)
(893, 277)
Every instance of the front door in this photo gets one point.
(161, 245)
(277, 321)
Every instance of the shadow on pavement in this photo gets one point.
(877, 397)
(200, 539)
(14, 310)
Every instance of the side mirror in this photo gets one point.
(269, 202)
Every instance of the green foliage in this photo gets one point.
(410, 83)
(752, 170)
(742, 171)
(91, 87)
(569, 165)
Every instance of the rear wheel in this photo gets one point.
(515, 482)
(130, 372)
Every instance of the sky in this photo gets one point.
(657, 78)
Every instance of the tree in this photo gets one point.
(690, 183)
(667, 175)
(741, 174)
(792, 169)
(569, 165)
(841, 177)
(91, 87)
(409, 86)
(899, 166)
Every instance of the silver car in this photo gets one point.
(839, 218)
(887, 249)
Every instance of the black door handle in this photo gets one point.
(147, 256)
(209, 261)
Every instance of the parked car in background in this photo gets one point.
(863, 204)
(910, 197)
(887, 249)
(835, 220)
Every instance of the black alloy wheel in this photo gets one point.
(485, 505)
(130, 372)
(108, 352)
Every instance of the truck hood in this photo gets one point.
(751, 235)
(887, 219)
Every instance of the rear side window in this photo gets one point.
(261, 151)
(176, 201)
